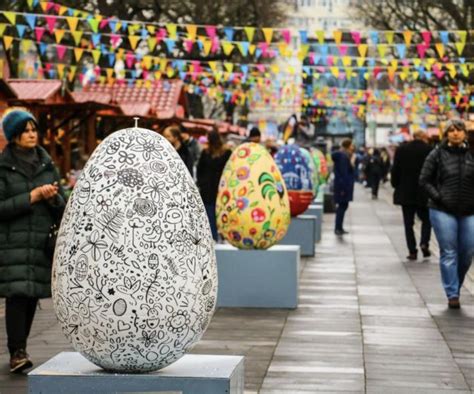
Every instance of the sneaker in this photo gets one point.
(426, 252)
(341, 232)
(412, 256)
(20, 361)
(453, 303)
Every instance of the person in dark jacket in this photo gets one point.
(448, 178)
(407, 164)
(31, 201)
(209, 170)
(173, 135)
(193, 147)
(375, 169)
(343, 182)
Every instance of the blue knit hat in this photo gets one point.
(14, 123)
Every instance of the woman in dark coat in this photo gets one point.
(448, 178)
(31, 201)
(209, 170)
(343, 182)
(375, 171)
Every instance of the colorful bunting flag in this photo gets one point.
(249, 31)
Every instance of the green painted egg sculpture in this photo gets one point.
(252, 208)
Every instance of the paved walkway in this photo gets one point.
(367, 322)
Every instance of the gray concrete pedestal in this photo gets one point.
(302, 232)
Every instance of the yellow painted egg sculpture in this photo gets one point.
(252, 208)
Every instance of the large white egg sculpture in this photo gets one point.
(134, 274)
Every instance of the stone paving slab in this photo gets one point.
(368, 321)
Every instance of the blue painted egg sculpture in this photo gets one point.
(134, 275)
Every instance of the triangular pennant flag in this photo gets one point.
(320, 36)
(303, 36)
(417, 62)
(426, 37)
(170, 44)
(61, 70)
(96, 39)
(51, 22)
(96, 56)
(382, 48)
(362, 48)
(62, 10)
(210, 31)
(337, 36)
(61, 50)
(133, 41)
(192, 30)
(171, 28)
(94, 24)
(407, 35)
(346, 61)
(58, 34)
(77, 35)
(229, 66)
(45, 6)
(252, 49)
(21, 30)
(30, 3)
(342, 49)
(452, 69)
(464, 69)
(25, 45)
(243, 48)
(39, 31)
(31, 20)
(356, 37)
(335, 71)
(42, 48)
(72, 22)
(391, 74)
(460, 47)
(389, 36)
(268, 34)
(421, 49)
(111, 57)
(249, 31)
(227, 47)
(374, 36)
(394, 64)
(229, 33)
(3, 26)
(207, 45)
(7, 42)
(147, 62)
(11, 16)
(440, 49)
(444, 36)
(401, 49)
(151, 43)
(78, 53)
(360, 61)
(109, 72)
(286, 34)
(213, 66)
(462, 35)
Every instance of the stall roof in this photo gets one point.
(48, 91)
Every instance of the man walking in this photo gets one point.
(407, 164)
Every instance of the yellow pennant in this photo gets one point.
(452, 69)
(151, 29)
(26, 45)
(133, 28)
(170, 72)
(459, 47)
(147, 62)
(213, 66)
(77, 35)
(96, 55)
(304, 50)
(229, 66)
(403, 75)
(151, 43)
(462, 35)
(382, 48)
(337, 36)
(346, 61)
(348, 72)
(394, 64)
(360, 62)
(78, 53)
(252, 49)
(227, 47)
(320, 36)
(62, 10)
(11, 16)
(30, 3)
(218, 76)
(417, 62)
(464, 69)
(7, 42)
(250, 31)
(3, 26)
(72, 73)
(440, 48)
(172, 29)
(157, 75)
(335, 71)
(362, 48)
(268, 34)
(192, 30)
(291, 70)
(407, 35)
(163, 65)
(61, 70)
(274, 68)
(391, 73)
(389, 36)
(207, 45)
(58, 34)
(109, 72)
(133, 41)
(429, 63)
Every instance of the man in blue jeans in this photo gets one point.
(448, 178)
(343, 182)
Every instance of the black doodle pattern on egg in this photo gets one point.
(134, 276)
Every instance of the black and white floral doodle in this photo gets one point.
(134, 275)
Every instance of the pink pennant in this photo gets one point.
(272, 53)
(197, 66)
(161, 34)
(260, 67)
(47, 66)
(343, 50)
(50, 5)
(286, 34)
(114, 39)
(39, 31)
(330, 61)
(51, 22)
(57, 7)
(145, 74)
(211, 31)
(129, 59)
(311, 58)
(61, 50)
(263, 47)
(104, 22)
(406, 62)
(426, 37)
(421, 49)
(215, 45)
(377, 71)
(188, 45)
(356, 37)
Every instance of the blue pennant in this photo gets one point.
(229, 33)
(304, 36)
(31, 20)
(21, 30)
(96, 39)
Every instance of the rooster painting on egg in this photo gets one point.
(252, 207)
(134, 275)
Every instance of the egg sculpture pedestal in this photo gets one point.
(252, 215)
(134, 280)
(302, 232)
(317, 210)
